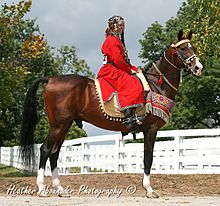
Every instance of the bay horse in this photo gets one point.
(69, 98)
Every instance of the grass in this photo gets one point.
(7, 171)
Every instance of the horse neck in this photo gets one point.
(169, 72)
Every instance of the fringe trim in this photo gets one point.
(157, 112)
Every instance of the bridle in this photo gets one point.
(187, 62)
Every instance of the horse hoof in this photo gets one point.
(152, 195)
(63, 195)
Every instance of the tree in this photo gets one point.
(68, 62)
(198, 99)
(153, 43)
(24, 56)
(20, 44)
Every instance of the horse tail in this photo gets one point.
(28, 125)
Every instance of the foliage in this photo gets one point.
(14, 64)
(25, 56)
(153, 43)
(69, 62)
(198, 98)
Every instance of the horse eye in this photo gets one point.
(182, 48)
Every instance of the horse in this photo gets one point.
(72, 97)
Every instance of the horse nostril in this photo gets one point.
(196, 68)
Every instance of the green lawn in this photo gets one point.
(7, 171)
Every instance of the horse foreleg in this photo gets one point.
(50, 149)
(149, 140)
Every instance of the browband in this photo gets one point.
(180, 42)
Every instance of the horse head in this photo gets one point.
(184, 54)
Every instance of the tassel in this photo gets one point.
(181, 76)
(160, 81)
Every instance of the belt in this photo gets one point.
(112, 63)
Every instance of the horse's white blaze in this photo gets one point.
(146, 183)
(40, 180)
(55, 179)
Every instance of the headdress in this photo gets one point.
(113, 23)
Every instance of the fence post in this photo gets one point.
(64, 159)
(85, 157)
(201, 158)
(176, 152)
(121, 154)
(116, 155)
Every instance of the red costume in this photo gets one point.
(115, 76)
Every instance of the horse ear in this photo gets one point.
(189, 36)
(180, 35)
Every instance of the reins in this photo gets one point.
(161, 75)
(165, 79)
(171, 62)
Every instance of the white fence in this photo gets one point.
(189, 152)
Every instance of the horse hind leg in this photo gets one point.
(55, 176)
(45, 150)
(53, 164)
(50, 149)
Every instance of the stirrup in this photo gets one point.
(131, 124)
(140, 119)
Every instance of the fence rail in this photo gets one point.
(187, 152)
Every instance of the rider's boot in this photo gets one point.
(130, 121)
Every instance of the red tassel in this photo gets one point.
(160, 81)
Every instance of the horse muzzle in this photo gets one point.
(197, 68)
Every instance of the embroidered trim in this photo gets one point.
(158, 105)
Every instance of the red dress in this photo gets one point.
(115, 77)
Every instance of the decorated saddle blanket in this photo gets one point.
(156, 104)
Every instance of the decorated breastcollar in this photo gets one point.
(159, 105)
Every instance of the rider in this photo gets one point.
(116, 74)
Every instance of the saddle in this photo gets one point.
(156, 104)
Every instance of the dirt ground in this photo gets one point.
(127, 185)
